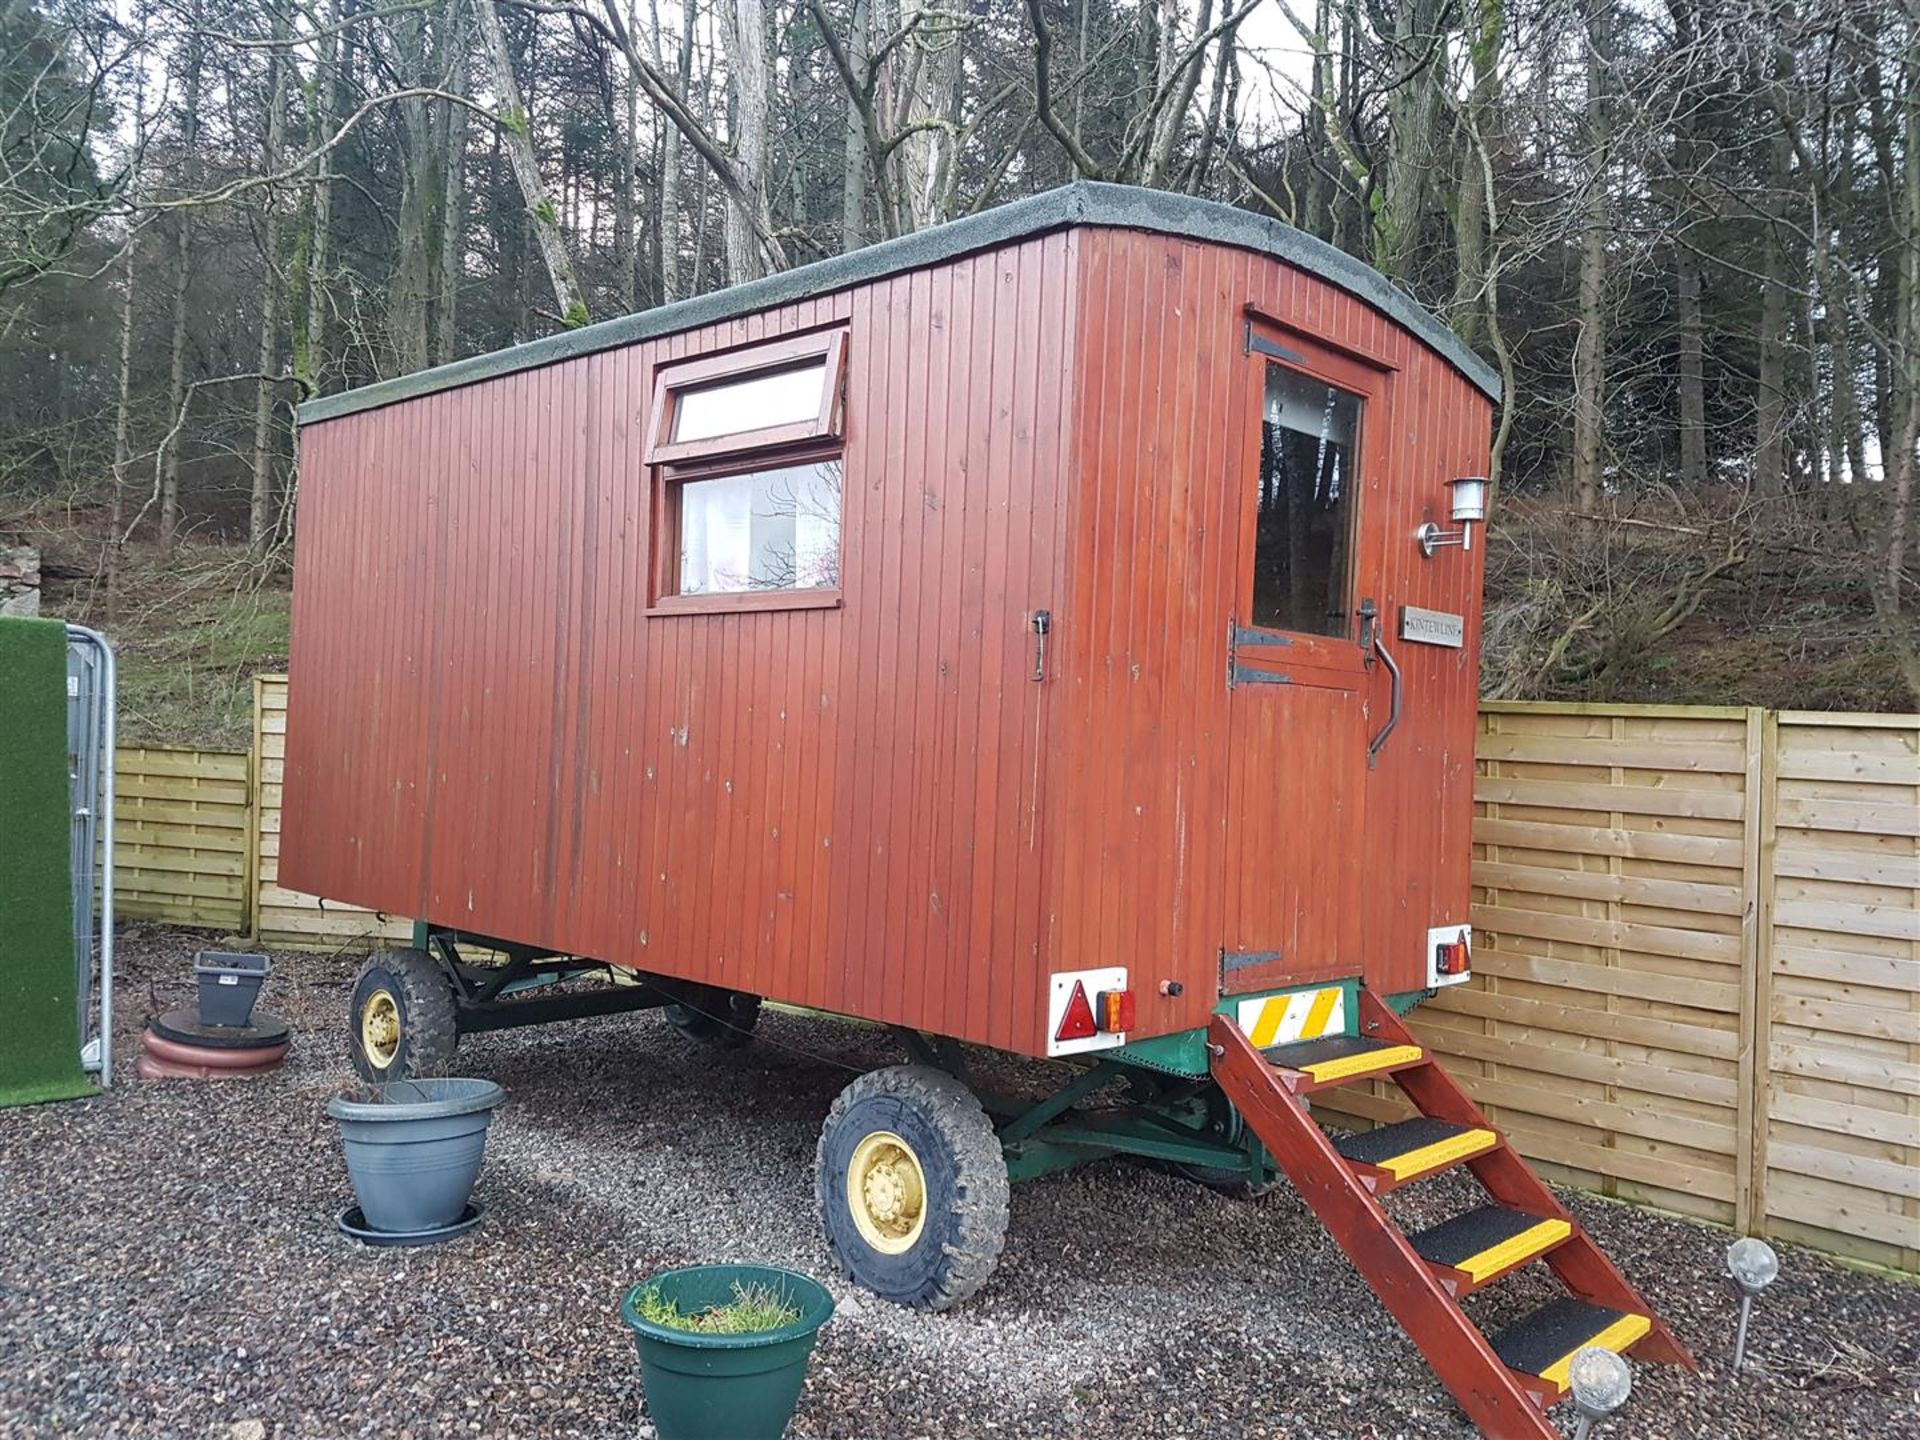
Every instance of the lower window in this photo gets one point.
(761, 530)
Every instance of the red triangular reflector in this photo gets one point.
(1077, 1023)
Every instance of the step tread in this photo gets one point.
(1341, 1057)
(1411, 1147)
(1545, 1342)
(1486, 1241)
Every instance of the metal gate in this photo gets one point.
(91, 684)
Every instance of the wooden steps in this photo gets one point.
(1504, 1384)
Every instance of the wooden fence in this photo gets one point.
(1696, 967)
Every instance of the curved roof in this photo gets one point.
(1124, 207)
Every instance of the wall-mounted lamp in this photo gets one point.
(1469, 507)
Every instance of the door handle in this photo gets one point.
(1375, 637)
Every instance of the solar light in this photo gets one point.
(1469, 507)
(1600, 1381)
(1753, 1266)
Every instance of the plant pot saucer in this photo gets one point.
(351, 1222)
(183, 1027)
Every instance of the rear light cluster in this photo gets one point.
(1111, 1013)
(1453, 957)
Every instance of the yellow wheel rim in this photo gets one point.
(380, 1028)
(887, 1192)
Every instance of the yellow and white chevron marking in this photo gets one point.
(1303, 1015)
(1508, 1253)
(1623, 1334)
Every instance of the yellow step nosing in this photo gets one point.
(1415, 1163)
(1323, 1071)
(1524, 1246)
(1623, 1333)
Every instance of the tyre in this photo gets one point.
(722, 1018)
(401, 1023)
(912, 1187)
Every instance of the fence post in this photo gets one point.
(256, 790)
(1756, 1027)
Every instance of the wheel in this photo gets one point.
(713, 1016)
(1226, 1124)
(912, 1186)
(401, 1023)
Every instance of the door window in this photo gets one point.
(1309, 436)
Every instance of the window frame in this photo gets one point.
(668, 480)
(1312, 657)
(793, 352)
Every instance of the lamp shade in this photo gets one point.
(1469, 498)
(1752, 1263)
(1600, 1381)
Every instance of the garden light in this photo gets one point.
(1600, 1381)
(1753, 1266)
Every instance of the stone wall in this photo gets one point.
(19, 580)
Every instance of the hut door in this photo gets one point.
(1298, 672)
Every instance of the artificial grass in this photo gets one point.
(39, 1022)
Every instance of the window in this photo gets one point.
(747, 470)
(764, 530)
(1309, 435)
(783, 393)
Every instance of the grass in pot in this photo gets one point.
(724, 1348)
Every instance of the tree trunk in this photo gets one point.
(310, 356)
(1590, 345)
(746, 31)
(567, 295)
(182, 276)
(1692, 369)
(1413, 111)
(626, 241)
(853, 152)
(410, 286)
(671, 231)
(451, 265)
(122, 439)
(1770, 421)
(260, 502)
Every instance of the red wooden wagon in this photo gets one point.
(1056, 631)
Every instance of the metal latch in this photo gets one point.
(1042, 624)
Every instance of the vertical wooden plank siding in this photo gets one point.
(1841, 1152)
(837, 807)
(1141, 858)
(283, 916)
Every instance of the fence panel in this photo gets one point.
(289, 918)
(1603, 1029)
(182, 835)
(1840, 1146)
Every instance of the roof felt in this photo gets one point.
(1124, 207)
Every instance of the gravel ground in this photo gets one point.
(169, 1266)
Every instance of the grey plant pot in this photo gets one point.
(414, 1149)
(230, 982)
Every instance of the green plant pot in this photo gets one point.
(740, 1387)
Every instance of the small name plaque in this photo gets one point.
(1432, 627)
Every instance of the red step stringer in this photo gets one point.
(1504, 1384)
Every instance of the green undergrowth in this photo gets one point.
(753, 1310)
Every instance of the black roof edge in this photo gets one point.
(1085, 202)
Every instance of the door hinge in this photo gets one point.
(1239, 637)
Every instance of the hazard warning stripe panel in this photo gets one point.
(1303, 1015)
